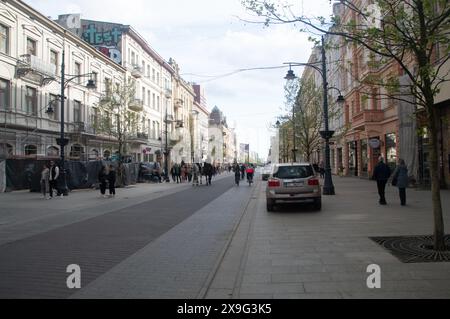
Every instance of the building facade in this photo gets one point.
(31, 52)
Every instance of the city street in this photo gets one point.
(184, 242)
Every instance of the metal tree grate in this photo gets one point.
(414, 249)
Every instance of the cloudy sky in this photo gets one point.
(209, 38)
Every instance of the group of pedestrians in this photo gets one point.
(49, 180)
(382, 174)
(187, 173)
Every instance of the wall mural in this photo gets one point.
(105, 37)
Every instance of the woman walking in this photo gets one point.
(112, 181)
(400, 180)
(45, 181)
(102, 177)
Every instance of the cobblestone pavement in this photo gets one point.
(300, 253)
(35, 266)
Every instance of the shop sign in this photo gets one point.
(374, 143)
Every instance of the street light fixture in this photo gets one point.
(327, 134)
(62, 141)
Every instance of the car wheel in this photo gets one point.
(318, 204)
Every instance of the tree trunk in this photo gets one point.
(439, 233)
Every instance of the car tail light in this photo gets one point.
(274, 183)
(313, 182)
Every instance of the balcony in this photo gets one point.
(179, 124)
(137, 105)
(178, 103)
(36, 69)
(139, 137)
(137, 72)
(81, 127)
(365, 117)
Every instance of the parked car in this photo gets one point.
(265, 172)
(293, 183)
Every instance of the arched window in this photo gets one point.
(94, 153)
(106, 154)
(30, 150)
(6, 150)
(52, 151)
(76, 150)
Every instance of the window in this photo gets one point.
(4, 39)
(154, 101)
(143, 95)
(31, 47)
(4, 95)
(54, 103)
(77, 111)
(52, 151)
(31, 100)
(77, 72)
(293, 172)
(54, 59)
(95, 117)
(6, 150)
(148, 98)
(153, 75)
(158, 80)
(30, 150)
(148, 71)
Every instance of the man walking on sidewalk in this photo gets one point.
(381, 174)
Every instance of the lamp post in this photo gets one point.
(327, 134)
(291, 77)
(166, 150)
(62, 141)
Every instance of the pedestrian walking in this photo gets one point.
(195, 174)
(381, 174)
(177, 173)
(112, 181)
(45, 181)
(237, 174)
(400, 179)
(102, 178)
(322, 169)
(53, 178)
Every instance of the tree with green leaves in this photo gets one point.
(120, 117)
(412, 35)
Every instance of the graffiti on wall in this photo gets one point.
(106, 38)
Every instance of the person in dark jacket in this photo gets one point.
(381, 174)
(102, 177)
(401, 177)
(112, 181)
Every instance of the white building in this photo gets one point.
(30, 65)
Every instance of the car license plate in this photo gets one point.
(297, 184)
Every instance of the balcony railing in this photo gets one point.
(179, 103)
(140, 136)
(137, 105)
(81, 127)
(137, 71)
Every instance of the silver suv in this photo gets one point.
(293, 183)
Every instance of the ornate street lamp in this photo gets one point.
(327, 134)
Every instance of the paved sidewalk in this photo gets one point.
(300, 253)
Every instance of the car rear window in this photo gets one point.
(291, 172)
